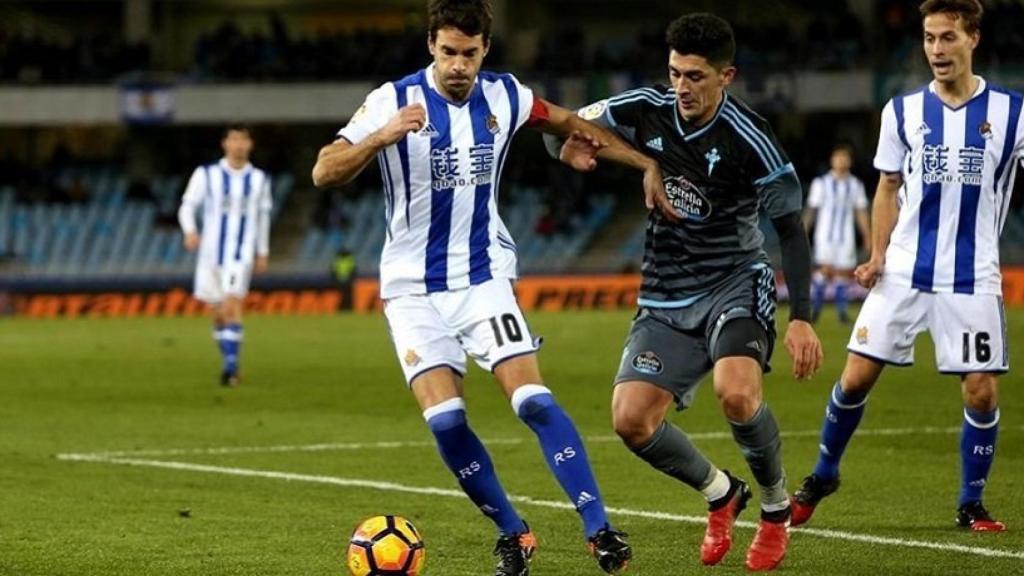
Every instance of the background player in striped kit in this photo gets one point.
(441, 136)
(947, 155)
(235, 199)
(836, 201)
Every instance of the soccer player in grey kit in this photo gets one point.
(707, 299)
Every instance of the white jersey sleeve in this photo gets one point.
(860, 196)
(192, 200)
(266, 205)
(891, 148)
(378, 108)
(815, 198)
(526, 100)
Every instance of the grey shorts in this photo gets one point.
(673, 348)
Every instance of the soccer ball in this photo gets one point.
(386, 546)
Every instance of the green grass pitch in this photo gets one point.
(86, 386)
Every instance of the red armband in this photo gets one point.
(539, 114)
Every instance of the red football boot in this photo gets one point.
(721, 518)
(769, 545)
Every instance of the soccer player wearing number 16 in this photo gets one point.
(946, 153)
(707, 299)
(441, 136)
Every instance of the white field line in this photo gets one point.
(343, 446)
(432, 491)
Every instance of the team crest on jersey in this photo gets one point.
(687, 199)
(862, 335)
(412, 358)
(712, 157)
(594, 111)
(492, 125)
(985, 130)
(648, 363)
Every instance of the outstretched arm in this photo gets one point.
(585, 140)
(340, 162)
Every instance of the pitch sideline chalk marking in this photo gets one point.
(433, 491)
(343, 446)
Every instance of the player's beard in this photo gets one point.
(458, 91)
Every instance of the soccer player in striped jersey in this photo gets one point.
(947, 155)
(441, 137)
(836, 201)
(235, 200)
(707, 298)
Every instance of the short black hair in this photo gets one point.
(237, 127)
(471, 17)
(704, 35)
(843, 147)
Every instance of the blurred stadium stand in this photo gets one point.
(89, 188)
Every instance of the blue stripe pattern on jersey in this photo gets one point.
(901, 130)
(389, 190)
(246, 183)
(403, 145)
(441, 194)
(513, 101)
(834, 222)
(479, 232)
(931, 198)
(970, 195)
(225, 206)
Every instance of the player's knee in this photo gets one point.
(860, 374)
(634, 427)
(740, 406)
(980, 392)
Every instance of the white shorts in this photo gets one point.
(838, 256)
(214, 283)
(439, 329)
(969, 330)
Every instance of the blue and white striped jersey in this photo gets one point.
(236, 208)
(958, 167)
(441, 183)
(837, 201)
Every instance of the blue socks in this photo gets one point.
(563, 451)
(818, 287)
(977, 450)
(842, 415)
(230, 341)
(467, 458)
(841, 299)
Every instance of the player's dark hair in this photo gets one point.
(704, 35)
(969, 12)
(843, 147)
(471, 17)
(237, 127)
